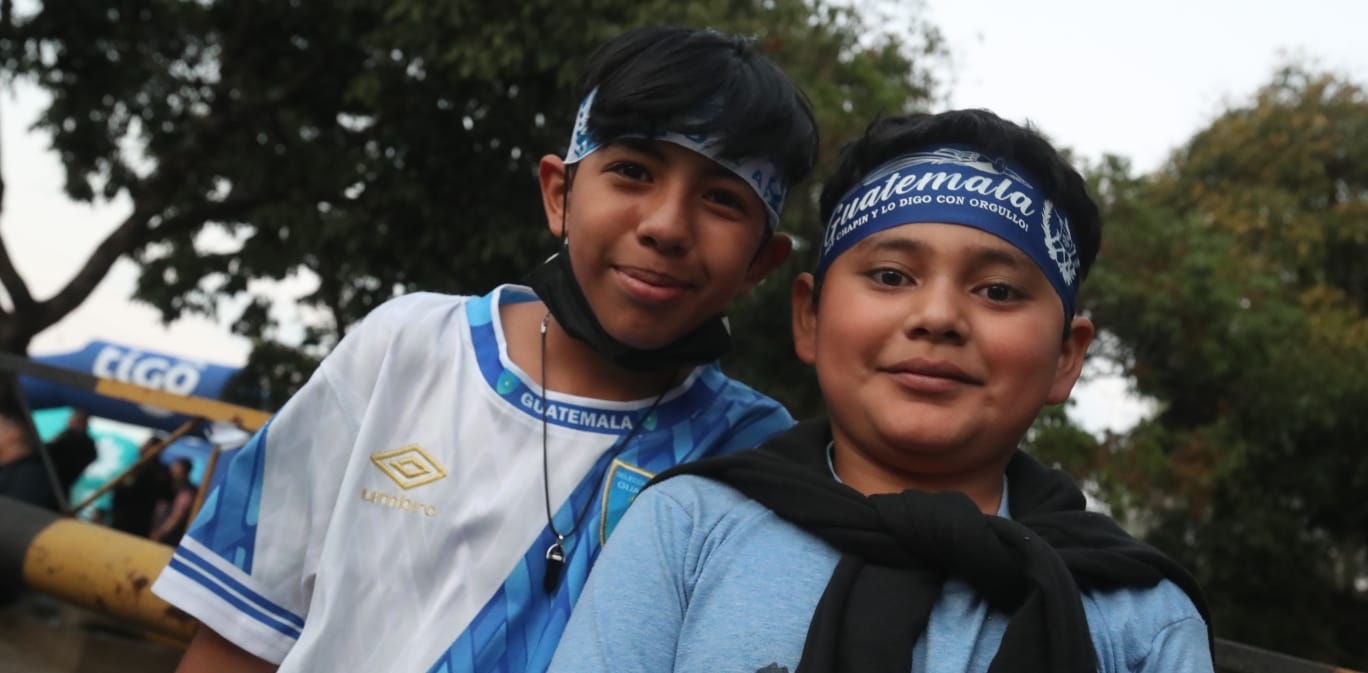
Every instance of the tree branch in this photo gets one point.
(118, 242)
(9, 278)
(2, 192)
(331, 297)
(187, 222)
(13, 283)
(134, 232)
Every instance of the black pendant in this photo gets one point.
(555, 564)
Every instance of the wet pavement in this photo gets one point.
(41, 635)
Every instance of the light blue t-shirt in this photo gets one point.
(699, 578)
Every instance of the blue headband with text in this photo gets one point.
(761, 174)
(958, 185)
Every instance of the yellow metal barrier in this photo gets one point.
(88, 565)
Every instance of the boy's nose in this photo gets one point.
(936, 313)
(667, 227)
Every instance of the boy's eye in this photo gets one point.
(889, 277)
(726, 197)
(1001, 292)
(630, 170)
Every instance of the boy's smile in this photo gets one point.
(648, 286)
(930, 377)
(661, 237)
(936, 346)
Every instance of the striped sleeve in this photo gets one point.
(246, 566)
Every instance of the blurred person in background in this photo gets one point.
(22, 473)
(138, 492)
(175, 510)
(73, 450)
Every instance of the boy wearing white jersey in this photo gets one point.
(433, 498)
(907, 532)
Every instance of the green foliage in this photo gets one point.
(390, 146)
(1056, 441)
(1233, 286)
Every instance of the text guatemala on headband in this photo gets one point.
(956, 184)
(760, 174)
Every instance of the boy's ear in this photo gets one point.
(804, 318)
(1071, 357)
(773, 253)
(551, 177)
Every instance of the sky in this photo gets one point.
(1099, 76)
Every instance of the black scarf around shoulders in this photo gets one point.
(897, 550)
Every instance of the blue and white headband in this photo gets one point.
(761, 174)
(958, 185)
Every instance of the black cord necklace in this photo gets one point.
(555, 554)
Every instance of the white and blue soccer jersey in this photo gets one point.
(390, 517)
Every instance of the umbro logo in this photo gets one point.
(409, 466)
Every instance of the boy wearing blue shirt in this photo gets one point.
(907, 532)
(433, 498)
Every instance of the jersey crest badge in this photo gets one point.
(620, 488)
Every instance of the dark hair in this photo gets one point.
(888, 138)
(660, 77)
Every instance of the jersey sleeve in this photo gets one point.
(764, 421)
(631, 612)
(246, 566)
(739, 418)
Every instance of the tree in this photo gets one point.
(1232, 286)
(383, 146)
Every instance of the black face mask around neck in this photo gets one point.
(555, 284)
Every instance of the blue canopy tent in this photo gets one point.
(117, 443)
(180, 376)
